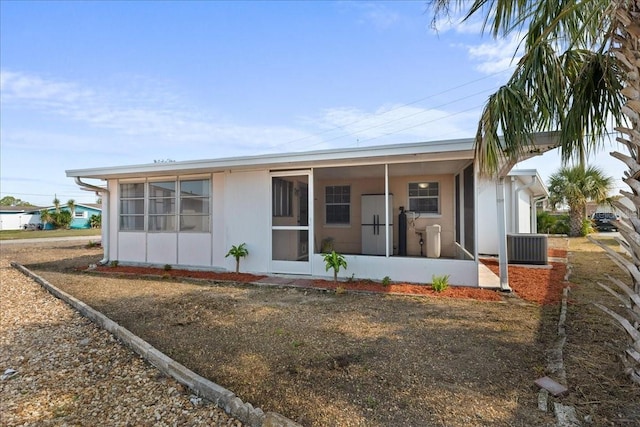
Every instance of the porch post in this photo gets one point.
(502, 237)
(386, 210)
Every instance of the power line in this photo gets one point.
(341, 127)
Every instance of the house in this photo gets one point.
(524, 189)
(81, 214)
(407, 211)
(28, 217)
(18, 217)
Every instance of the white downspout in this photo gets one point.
(502, 237)
(516, 204)
(104, 194)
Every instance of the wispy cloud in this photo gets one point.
(126, 120)
(497, 55)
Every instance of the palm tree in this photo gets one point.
(579, 68)
(71, 204)
(575, 186)
(56, 204)
(45, 217)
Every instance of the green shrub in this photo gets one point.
(386, 281)
(552, 223)
(587, 227)
(167, 267)
(114, 263)
(439, 283)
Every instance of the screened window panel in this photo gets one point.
(131, 223)
(194, 188)
(162, 222)
(162, 206)
(132, 191)
(195, 223)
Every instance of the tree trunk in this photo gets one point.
(625, 45)
(575, 221)
(237, 265)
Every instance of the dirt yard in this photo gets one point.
(353, 359)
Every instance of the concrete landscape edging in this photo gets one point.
(203, 387)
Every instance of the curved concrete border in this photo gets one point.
(211, 391)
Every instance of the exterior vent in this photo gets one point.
(527, 249)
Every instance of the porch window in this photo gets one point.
(162, 206)
(338, 204)
(132, 207)
(194, 205)
(424, 197)
(282, 198)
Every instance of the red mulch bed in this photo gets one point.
(412, 289)
(194, 274)
(538, 285)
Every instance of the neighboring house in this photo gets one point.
(82, 213)
(287, 207)
(523, 190)
(18, 217)
(23, 217)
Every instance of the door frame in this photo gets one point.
(298, 266)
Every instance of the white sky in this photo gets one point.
(91, 84)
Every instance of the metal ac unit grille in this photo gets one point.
(527, 249)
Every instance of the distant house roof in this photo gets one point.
(18, 209)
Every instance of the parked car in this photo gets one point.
(602, 221)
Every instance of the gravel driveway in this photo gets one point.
(69, 372)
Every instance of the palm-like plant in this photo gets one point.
(580, 67)
(45, 218)
(335, 261)
(575, 186)
(238, 252)
(71, 204)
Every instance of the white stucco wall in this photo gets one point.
(246, 212)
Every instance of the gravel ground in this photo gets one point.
(71, 373)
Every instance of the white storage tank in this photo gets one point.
(432, 241)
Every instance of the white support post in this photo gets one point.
(503, 263)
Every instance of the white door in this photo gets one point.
(291, 240)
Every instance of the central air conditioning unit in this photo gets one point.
(527, 249)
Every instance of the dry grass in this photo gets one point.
(325, 359)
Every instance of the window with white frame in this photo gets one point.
(338, 204)
(162, 206)
(282, 197)
(132, 206)
(194, 205)
(424, 197)
(80, 214)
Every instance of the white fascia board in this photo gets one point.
(539, 188)
(397, 153)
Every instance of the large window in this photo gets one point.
(194, 205)
(338, 204)
(162, 199)
(162, 206)
(132, 207)
(424, 197)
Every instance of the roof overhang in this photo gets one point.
(532, 177)
(397, 153)
(541, 143)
